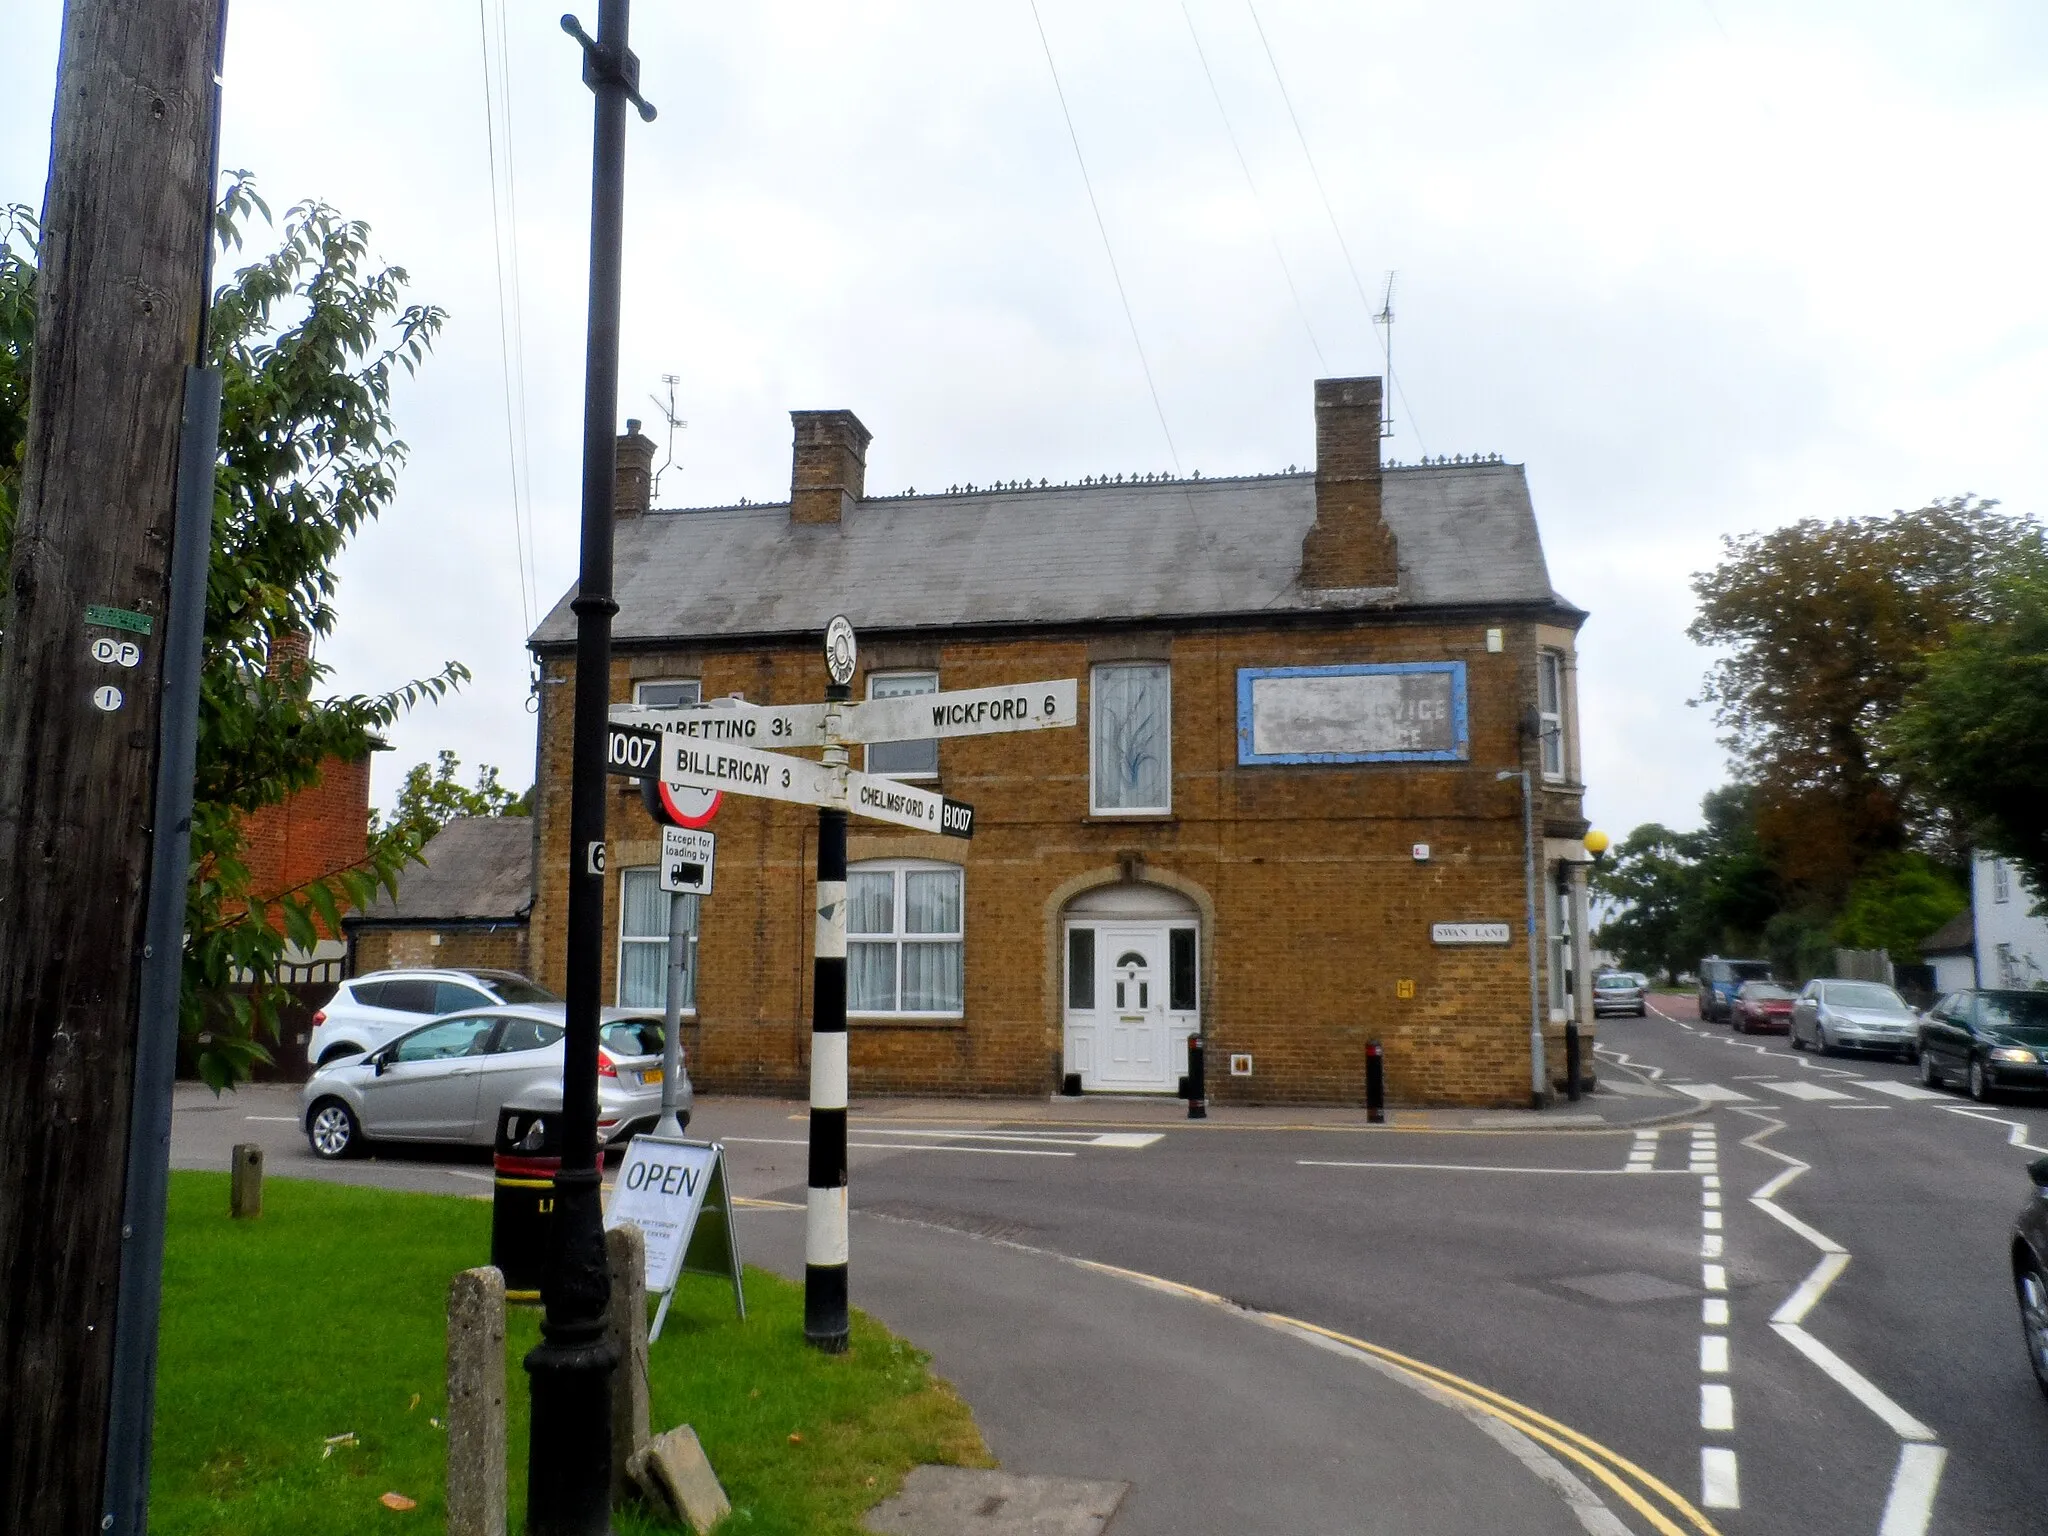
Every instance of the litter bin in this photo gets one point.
(526, 1156)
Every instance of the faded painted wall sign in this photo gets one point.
(1388, 712)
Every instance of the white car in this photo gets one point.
(446, 1080)
(366, 1011)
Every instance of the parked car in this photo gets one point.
(1762, 1007)
(1987, 1040)
(368, 1010)
(1859, 1015)
(1618, 992)
(1720, 979)
(2030, 1271)
(445, 1080)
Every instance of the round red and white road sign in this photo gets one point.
(680, 805)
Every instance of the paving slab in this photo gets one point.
(980, 1501)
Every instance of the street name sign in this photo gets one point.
(686, 857)
(667, 1188)
(1469, 933)
(964, 712)
(734, 721)
(684, 760)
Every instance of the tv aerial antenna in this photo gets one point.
(668, 414)
(1385, 320)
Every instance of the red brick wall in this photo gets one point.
(323, 828)
(1314, 908)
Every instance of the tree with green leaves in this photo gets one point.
(310, 339)
(432, 796)
(1824, 626)
(1675, 896)
(1974, 726)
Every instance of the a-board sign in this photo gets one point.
(1469, 933)
(686, 855)
(676, 1193)
(632, 749)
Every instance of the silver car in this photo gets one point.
(1861, 1015)
(445, 1081)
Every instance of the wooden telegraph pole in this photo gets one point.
(121, 296)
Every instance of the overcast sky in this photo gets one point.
(1704, 266)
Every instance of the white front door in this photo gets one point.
(1133, 1009)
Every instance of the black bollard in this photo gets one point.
(1571, 1061)
(1198, 1089)
(1375, 1083)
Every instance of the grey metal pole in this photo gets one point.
(672, 1016)
(1539, 1090)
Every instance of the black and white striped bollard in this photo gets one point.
(825, 1318)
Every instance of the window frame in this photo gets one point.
(1550, 723)
(689, 1008)
(899, 935)
(641, 685)
(2001, 881)
(868, 755)
(1131, 812)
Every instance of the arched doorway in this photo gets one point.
(1133, 987)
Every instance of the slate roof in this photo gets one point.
(1957, 936)
(477, 869)
(1467, 536)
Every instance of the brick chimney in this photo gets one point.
(1350, 544)
(830, 468)
(632, 472)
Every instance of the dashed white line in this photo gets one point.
(1714, 1354)
(1713, 1277)
(1717, 1406)
(1900, 1090)
(1720, 1482)
(1712, 1092)
(1714, 1312)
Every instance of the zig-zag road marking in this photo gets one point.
(1909, 1506)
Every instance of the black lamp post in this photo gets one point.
(569, 1451)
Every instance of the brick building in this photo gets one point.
(464, 906)
(1297, 694)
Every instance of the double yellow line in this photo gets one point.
(1641, 1490)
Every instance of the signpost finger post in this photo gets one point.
(718, 747)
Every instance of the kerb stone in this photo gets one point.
(674, 1472)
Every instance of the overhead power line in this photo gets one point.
(1244, 165)
(511, 341)
(1330, 211)
(1103, 229)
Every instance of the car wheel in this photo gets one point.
(333, 1131)
(1930, 1074)
(2032, 1286)
(1820, 1040)
(1792, 1038)
(1980, 1085)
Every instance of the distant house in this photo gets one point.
(2011, 941)
(1952, 950)
(465, 906)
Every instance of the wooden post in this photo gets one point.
(476, 1404)
(625, 1250)
(121, 288)
(245, 1189)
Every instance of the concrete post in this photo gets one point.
(625, 1250)
(245, 1182)
(476, 1404)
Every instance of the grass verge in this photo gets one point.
(325, 1318)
